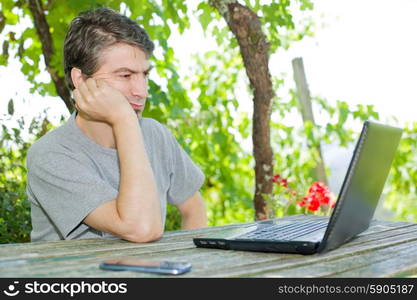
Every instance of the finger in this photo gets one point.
(84, 91)
(101, 83)
(91, 84)
(77, 98)
(79, 103)
(76, 94)
(83, 78)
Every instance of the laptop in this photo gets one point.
(358, 198)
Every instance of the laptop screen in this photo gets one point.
(363, 184)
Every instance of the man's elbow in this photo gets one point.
(143, 234)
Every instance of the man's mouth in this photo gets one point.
(137, 107)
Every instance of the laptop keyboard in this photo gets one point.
(284, 232)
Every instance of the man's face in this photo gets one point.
(125, 68)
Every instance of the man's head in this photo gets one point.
(96, 44)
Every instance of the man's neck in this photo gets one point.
(99, 132)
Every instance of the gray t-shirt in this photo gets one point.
(69, 175)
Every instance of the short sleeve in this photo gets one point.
(67, 188)
(186, 177)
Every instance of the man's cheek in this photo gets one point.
(119, 86)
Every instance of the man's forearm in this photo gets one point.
(138, 201)
(193, 221)
(193, 213)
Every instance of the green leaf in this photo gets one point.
(205, 17)
(10, 107)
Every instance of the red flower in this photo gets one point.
(310, 202)
(318, 194)
(276, 178)
(314, 205)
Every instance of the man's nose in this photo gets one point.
(139, 87)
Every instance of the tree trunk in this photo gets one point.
(42, 29)
(246, 27)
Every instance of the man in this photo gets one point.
(107, 171)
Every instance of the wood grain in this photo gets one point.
(386, 249)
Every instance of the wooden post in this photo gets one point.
(304, 99)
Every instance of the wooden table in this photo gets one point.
(386, 249)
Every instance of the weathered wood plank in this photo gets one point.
(26, 266)
(205, 261)
(81, 258)
(247, 269)
(402, 262)
(349, 266)
(213, 264)
(78, 247)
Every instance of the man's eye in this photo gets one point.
(125, 75)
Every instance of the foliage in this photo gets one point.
(216, 146)
(401, 190)
(173, 219)
(15, 223)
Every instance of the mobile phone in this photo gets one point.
(144, 265)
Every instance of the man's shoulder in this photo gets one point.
(56, 140)
(153, 126)
(157, 134)
(152, 123)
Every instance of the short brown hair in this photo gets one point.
(94, 30)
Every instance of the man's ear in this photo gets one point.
(76, 77)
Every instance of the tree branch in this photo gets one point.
(42, 29)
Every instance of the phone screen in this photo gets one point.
(145, 265)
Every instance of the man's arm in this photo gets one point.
(135, 214)
(193, 212)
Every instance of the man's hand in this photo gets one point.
(97, 101)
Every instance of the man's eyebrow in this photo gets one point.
(126, 69)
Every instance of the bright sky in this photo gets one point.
(365, 54)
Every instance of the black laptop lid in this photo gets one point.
(363, 184)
